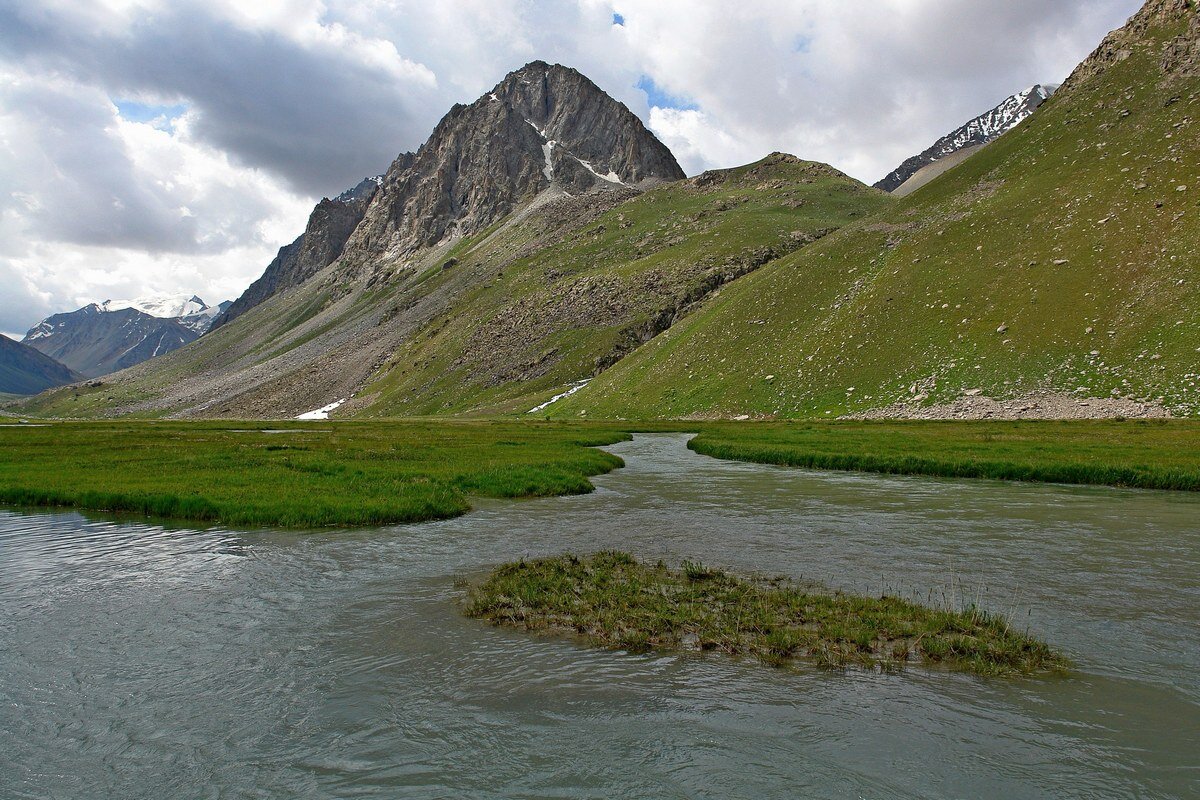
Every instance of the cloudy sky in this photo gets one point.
(171, 146)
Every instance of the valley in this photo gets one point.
(566, 455)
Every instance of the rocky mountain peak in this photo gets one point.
(544, 126)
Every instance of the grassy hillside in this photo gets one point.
(1065, 256)
(497, 322)
(546, 317)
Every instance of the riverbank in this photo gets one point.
(1144, 454)
(614, 601)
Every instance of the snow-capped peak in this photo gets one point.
(163, 306)
(1001, 119)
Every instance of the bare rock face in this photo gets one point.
(329, 227)
(542, 126)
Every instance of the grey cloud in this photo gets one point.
(322, 119)
(19, 307)
(78, 183)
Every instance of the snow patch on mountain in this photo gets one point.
(611, 177)
(575, 387)
(322, 412)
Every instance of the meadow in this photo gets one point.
(294, 475)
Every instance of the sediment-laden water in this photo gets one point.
(138, 661)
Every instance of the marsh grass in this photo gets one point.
(616, 601)
(316, 475)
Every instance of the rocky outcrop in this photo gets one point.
(542, 126)
(329, 227)
(24, 370)
(1180, 56)
(985, 128)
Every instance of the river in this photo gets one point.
(147, 661)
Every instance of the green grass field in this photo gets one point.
(320, 474)
(1147, 454)
(362, 473)
(615, 601)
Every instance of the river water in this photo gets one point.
(142, 661)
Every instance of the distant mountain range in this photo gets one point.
(104, 337)
(24, 370)
(965, 140)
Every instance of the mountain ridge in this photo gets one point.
(974, 133)
(103, 337)
(1054, 272)
(25, 370)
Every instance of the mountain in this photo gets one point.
(962, 142)
(329, 226)
(24, 370)
(1054, 273)
(104, 337)
(484, 279)
(543, 126)
(580, 282)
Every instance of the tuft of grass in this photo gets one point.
(1140, 454)
(616, 601)
(328, 474)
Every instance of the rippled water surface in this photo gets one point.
(138, 661)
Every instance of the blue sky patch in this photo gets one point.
(657, 97)
(143, 112)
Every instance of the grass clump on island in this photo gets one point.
(293, 474)
(616, 601)
(1144, 454)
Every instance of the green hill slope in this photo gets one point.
(496, 322)
(1064, 258)
(550, 314)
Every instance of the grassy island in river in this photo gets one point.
(615, 601)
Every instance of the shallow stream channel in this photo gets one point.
(143, 661)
